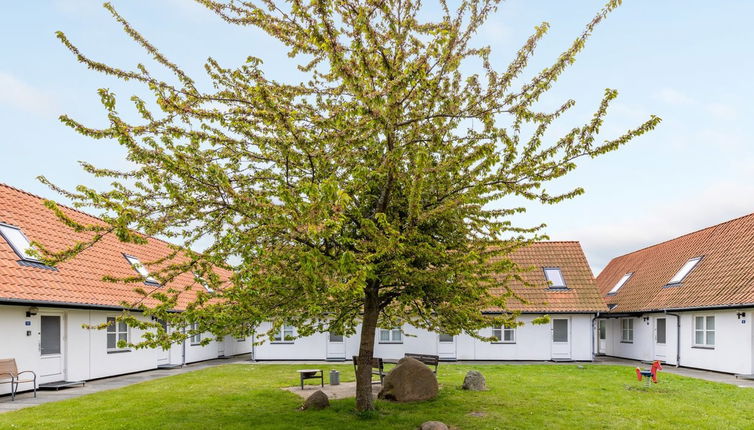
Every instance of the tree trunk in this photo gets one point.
(364, 401)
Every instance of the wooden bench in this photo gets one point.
(311, 374)
(378, 367)
(428, 359)
(9, 374)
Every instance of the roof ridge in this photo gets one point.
(3, 184)
(684, 235)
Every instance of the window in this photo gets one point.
(555, 277)
(240, 339)
(136, 264)
(504, 334)
(197, 338)
(50, 335)
(116, 331)
(627, 330)
(391, 335)
(560, 330)
(335, 338)
(662, 333)
(445, 338)
(203, 283)
(18, 241)
(685, 269)
(284, 334)
(704, 331)
(620, 283)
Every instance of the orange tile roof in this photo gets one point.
(581, 294)
(79, 280)
(724, 276)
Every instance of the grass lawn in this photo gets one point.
(520, 396)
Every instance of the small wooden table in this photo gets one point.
(311, 374)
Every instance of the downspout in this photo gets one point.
(595, 331)
(677, 338)
(183, 348)
(253, 346)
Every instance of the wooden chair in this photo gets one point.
(428, 359)
(378, 367)
(9, 374)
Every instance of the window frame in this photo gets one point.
(280, 335)
(624, 330)
(19, 252)
(195, 339)
(550, 284)
(391, 336)
(696, 260)
(116, 332)
(705, 331)
(621, 282)
(136, 264)
(502, 332)
(203, 282)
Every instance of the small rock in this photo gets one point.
(433, 425)
(318, 400)
(474, 381)
(579, 367)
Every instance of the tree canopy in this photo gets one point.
(360, 197)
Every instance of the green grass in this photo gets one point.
(519, 396)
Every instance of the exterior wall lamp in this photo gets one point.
(32, 311)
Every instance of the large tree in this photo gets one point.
(367, 195)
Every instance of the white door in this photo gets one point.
(51, 348)
(561, 339)
(602, 337)
(661, 339)
(446, 346)
(336, 347)
(221, 348)
(163, 355)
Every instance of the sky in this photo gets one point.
(689, 62)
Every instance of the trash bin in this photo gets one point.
(334, 377)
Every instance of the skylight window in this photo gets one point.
(685, 270)
(136, 264)
(18, 241)
(555, 277)
(620, 283)
(203, 283)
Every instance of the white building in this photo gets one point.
(42, 309)
(688, 301)
(563, 287)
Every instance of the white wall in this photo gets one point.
(533, 342)
(732, 352)
(84, 352)
(733, 346)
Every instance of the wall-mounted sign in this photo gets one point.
(27, 323)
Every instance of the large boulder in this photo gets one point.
(474, 381)
(409, 381)
(318, 400)
(433, 425)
